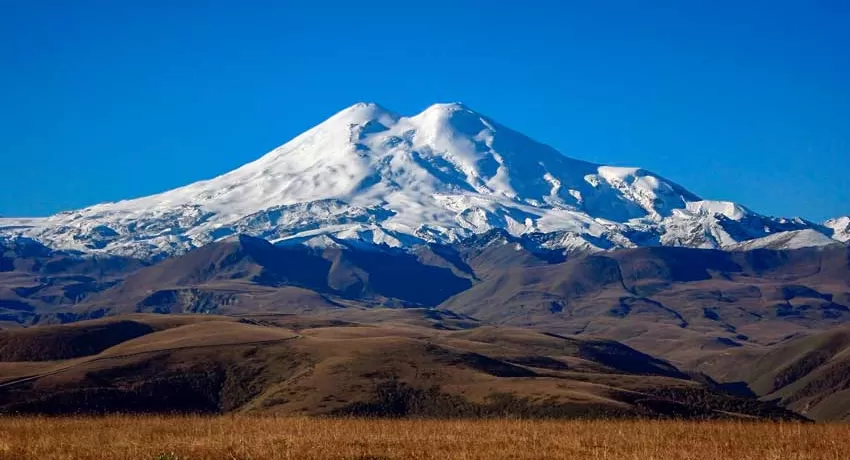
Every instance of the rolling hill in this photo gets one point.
(809, 374)
(269, 364)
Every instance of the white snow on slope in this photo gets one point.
(840, 227)
(371, 176)
(785, 240)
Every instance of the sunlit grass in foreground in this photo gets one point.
(237, 437)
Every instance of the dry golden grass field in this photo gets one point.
(256, 438)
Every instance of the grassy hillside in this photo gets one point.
(57, 342)
(290, 365)
(676, 303)
(809, 374)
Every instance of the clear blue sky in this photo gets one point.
(104, 100)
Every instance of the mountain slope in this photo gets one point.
(809, 374)
(677, 303)
(840, 227)
(785, 240)
(35, 280)
(248, 275)
(369, 175)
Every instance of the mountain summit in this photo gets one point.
(368, 175)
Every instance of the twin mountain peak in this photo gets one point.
(370, 177)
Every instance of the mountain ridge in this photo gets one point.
(370, 176)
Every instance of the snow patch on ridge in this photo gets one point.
(785, 240)
(840, 227)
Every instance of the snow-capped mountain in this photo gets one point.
(367, 175)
